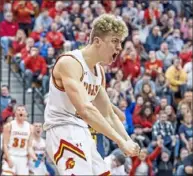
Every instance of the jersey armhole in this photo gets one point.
(54, 81)
(10, 126)
(103, 81)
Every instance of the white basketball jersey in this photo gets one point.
(19, 137)
(59, 109)
(39, 147)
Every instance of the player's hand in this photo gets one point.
(10, 163)
(130, 148)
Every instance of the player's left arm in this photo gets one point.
(111, 113)
(118, 112)
(30, 147)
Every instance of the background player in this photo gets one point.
(17, 144)
(38, 167)
(77, 80)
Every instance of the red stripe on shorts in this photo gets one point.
(108, 173)
(64, 145)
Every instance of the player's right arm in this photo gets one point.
(69, 71)
(30, 147)
(6, 138)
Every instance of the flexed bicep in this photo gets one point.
(70, 71)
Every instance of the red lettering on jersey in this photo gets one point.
(91, 89)
(20, 133)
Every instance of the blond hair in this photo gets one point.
(108, 24)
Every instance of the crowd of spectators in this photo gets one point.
(151, 81)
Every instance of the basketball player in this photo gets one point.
(77, 98)
(17, 144)
(38, 167)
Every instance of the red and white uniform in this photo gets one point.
(39, 148)
(17, 148)
(69, 142)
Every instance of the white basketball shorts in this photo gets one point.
(74, 152)
(20, 166)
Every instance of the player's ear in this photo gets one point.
(97, 41)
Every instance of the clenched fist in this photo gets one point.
(130, 148)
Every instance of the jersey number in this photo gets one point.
(20, 143)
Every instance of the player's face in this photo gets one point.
(38, 129)
(21, 113)
(110, 47)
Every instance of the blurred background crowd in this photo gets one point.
(151, 81)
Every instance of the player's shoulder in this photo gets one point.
(68, 63)
(8, 126)
(70, 58)
(27, 123)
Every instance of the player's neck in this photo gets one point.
(37, 138)
(20, 122)
(90, 55)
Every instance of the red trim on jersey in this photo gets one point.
(54, 80)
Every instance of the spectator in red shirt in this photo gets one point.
(36, 68)
(143, 164)
(23, 11)
(1, 5)
(26, 51)
(54, 37)
(9, 110)
(48, 4)
(57, 10)
(19, 42)
(186, 54)
(36, 33)
(145, 120)
(153, 66)
(107, 5)
(151, 12)
(131, 65)
(138, 106)
(143, 123)
(8, 30)
(19, 57)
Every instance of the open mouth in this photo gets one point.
(20, 114)
(114, 56)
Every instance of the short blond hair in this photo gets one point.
(108, 24)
